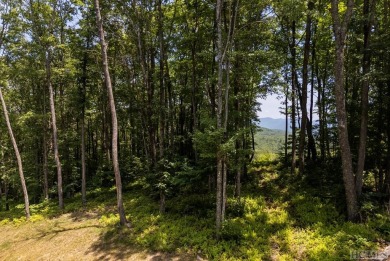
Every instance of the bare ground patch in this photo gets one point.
(75, 236)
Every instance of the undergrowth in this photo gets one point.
(273, 220)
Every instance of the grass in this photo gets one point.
(277, 218)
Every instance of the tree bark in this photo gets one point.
(219, 198)
(286, 123)
(114, 120)
(368, 12)
(312, 152)
(306, 54)
(293, 97)
(340, 30)
(162, 118)
(54, 129)
(18, 158)
(45, 168)
(83, 163)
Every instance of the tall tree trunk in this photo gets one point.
(340, 31)
(220, 163)
(222, 123)
(83, 90)
(309, 130)
(321, 105)
(54, 129)
(18, 158)
(368, 12)
(286, 125)
(293, 97)
(238, 123)
(45, 168)
(321, 121)
(114, 126)
(161, 132)
(83, 165)
(306, 54)
(312, 152)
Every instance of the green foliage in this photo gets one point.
(163, 68)
(109, 219)
(312, 210)
(259, 226)
(207, 142)
(269, 141)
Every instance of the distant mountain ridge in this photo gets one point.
(274, 124)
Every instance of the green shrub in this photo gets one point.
(235, 207)
(109, 219)
(310, 210)
(232, 230)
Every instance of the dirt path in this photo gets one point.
(68, 237)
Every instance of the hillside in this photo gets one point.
(71, 236)
(274, 220)
(269, 141)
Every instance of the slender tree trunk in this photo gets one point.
(114, 126)
(83, 160)
(306, 54)
(312, 151)
(54, 129)
(83, 166)
(321, 122)
(239, 161)
(162, 118)
(83, 163)
(286, 124)
(321, 118)
(220, 163)
(45, 169)
(340, 30)
(224, 183)
(222, 123)
(18, 158)
(368, 11)
(293, 97)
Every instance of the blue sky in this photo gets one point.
(270, 107)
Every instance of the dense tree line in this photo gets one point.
(166, 93)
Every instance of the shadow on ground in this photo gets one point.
(113, 245)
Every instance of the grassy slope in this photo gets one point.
(273, 221)
(72, 236)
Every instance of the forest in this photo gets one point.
(130, 129)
